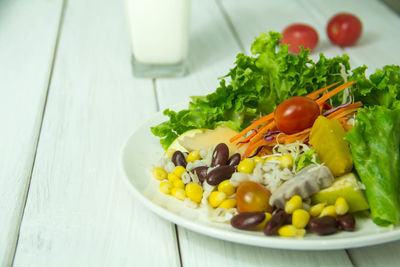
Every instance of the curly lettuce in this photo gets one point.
(381, 88)
(258, 83)
(254, 87)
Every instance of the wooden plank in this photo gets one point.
(255, 17)
(214, 252)
(382, 255)
(28, 33)
(377, 47)
(212, 53)
(198, 250)
(212, 42)
(79, 211)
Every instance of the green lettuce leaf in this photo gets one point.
(307, 158)
(375, 143)
(254, 87)
(382, 88)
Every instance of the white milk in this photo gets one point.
(159, 30)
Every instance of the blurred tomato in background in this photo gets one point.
(296, 35)
(344, 29)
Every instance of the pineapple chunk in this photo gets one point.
(327, 138)
(346, 186)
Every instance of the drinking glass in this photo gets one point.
(159, 31)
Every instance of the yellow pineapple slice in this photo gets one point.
(327, 138)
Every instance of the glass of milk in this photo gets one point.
(159, 36)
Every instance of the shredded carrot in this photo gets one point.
(300, 138)
(266, 123)
(255, 145)
(247, 139)
(343, 111)
(294, 137)
(344, 122)
(258, 138)
(263, 130)
(314, 95)
(256, 123)
(335, 91)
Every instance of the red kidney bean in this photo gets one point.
(219, 174)
(178, 159)
(234, 160)
(325, 225)
(247, 220)
(220, 155)
(201, 172)
(277, 220)
(347, 222)
(288, 219)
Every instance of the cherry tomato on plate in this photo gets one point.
(297, 35)
(296, 114)
(344, 29)
(252, 197)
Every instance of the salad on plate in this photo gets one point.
(288, 146)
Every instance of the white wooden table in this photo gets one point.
(68, 101)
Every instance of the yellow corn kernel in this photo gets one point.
(178, 184)
(291, 231)
(341, 206)
(165, 187)
(262, 224)
(178, 193)
(293, 204)
(246, 166)
(179, 170)
(226, 187)
(286, 161)
(193, 156)
(170, 152)
(194, 192)
(172, 177)
(272, 158)
(229, 203)
(159, 173)
(315, 210)
(328, 211)
(216, 198)
(300, 218)
(258, 159)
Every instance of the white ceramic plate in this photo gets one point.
(142, 150)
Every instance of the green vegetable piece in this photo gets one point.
(346, 186)
(375, 143)
(305, 159)
(382, 88)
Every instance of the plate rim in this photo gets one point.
(239, 236)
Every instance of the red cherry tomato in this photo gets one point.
(344, 29)
(297, 35)
(296, 114)
(252, 197)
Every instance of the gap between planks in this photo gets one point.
(60, 24)
(178, 246)
(230, 25)
(156, 96)
(236, 37)
(349, 256)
